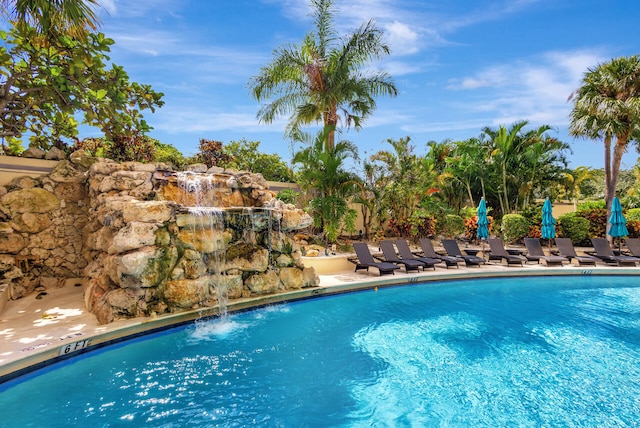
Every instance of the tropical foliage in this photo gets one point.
(321, 172)
(45, 87)
(607, 107)
(326, 79)
(243, 155)
(52, 18)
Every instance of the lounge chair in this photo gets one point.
(497, 250)
(365, 260)
(452, 249)
(429, 251)
(633, 245)
(565, 249)
(604, 252)
(406, 254)
(390, 255)
(536, 253)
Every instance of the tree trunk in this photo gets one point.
(331, 121)
(470, 194)
(612, 170)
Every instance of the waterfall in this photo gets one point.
(210, 225)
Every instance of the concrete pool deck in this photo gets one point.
(34, 332)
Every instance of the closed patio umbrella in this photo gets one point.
(548, 222)
(617, 222)
(483, 220)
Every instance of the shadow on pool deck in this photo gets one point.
(35, 332)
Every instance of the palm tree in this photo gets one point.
(405, 182)
(52, 18)
(324, 79)
(322, 172)
(574, 179)
(541, 162)
(505, 148)
(607, 107)
(467, 165)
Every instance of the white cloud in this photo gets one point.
(401, 39)
(535, 88)
(189, 119)
(495, 76)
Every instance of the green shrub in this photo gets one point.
(289, 196)
(419, 225)
(597, 218)
(451, 226)
(574, 227)
(633, 226)
(471, 227)
(590, 205)
(633, 214)
(514, 227)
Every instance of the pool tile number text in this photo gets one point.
(73, 347)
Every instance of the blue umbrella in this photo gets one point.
(548, 222)
(483, 221)
(617, 222)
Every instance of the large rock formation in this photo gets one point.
(146, 239)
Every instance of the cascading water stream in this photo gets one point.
(209, 222)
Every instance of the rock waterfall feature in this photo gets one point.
(152, 240)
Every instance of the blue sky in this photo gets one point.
(459, 65)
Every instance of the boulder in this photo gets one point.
(31, 222)
(204, 240)
(123, 181)
(126, 302)
(11, 243)
(192, 265)
(104, 167)
(310, 278)
(187, 293)
(7, 262)
(34, 200)
(33, 153)
(55, 153)
(67, 172)
(146, 267)
(246, 258)
(81, 158)
(231, 285)
(263, 283)
(133, 236)
(148, 211)
(70, 192)
(284, 260)
(24, 182)
(197, 168)
(291, 278)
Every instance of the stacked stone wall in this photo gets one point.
(42, 227)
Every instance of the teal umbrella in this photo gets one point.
(483, 220)
(617, 222)
(548, 222)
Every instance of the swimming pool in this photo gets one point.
(524, 352)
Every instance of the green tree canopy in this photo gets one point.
(42, 88)
(244, 155)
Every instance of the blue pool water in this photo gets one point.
(556, 351)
